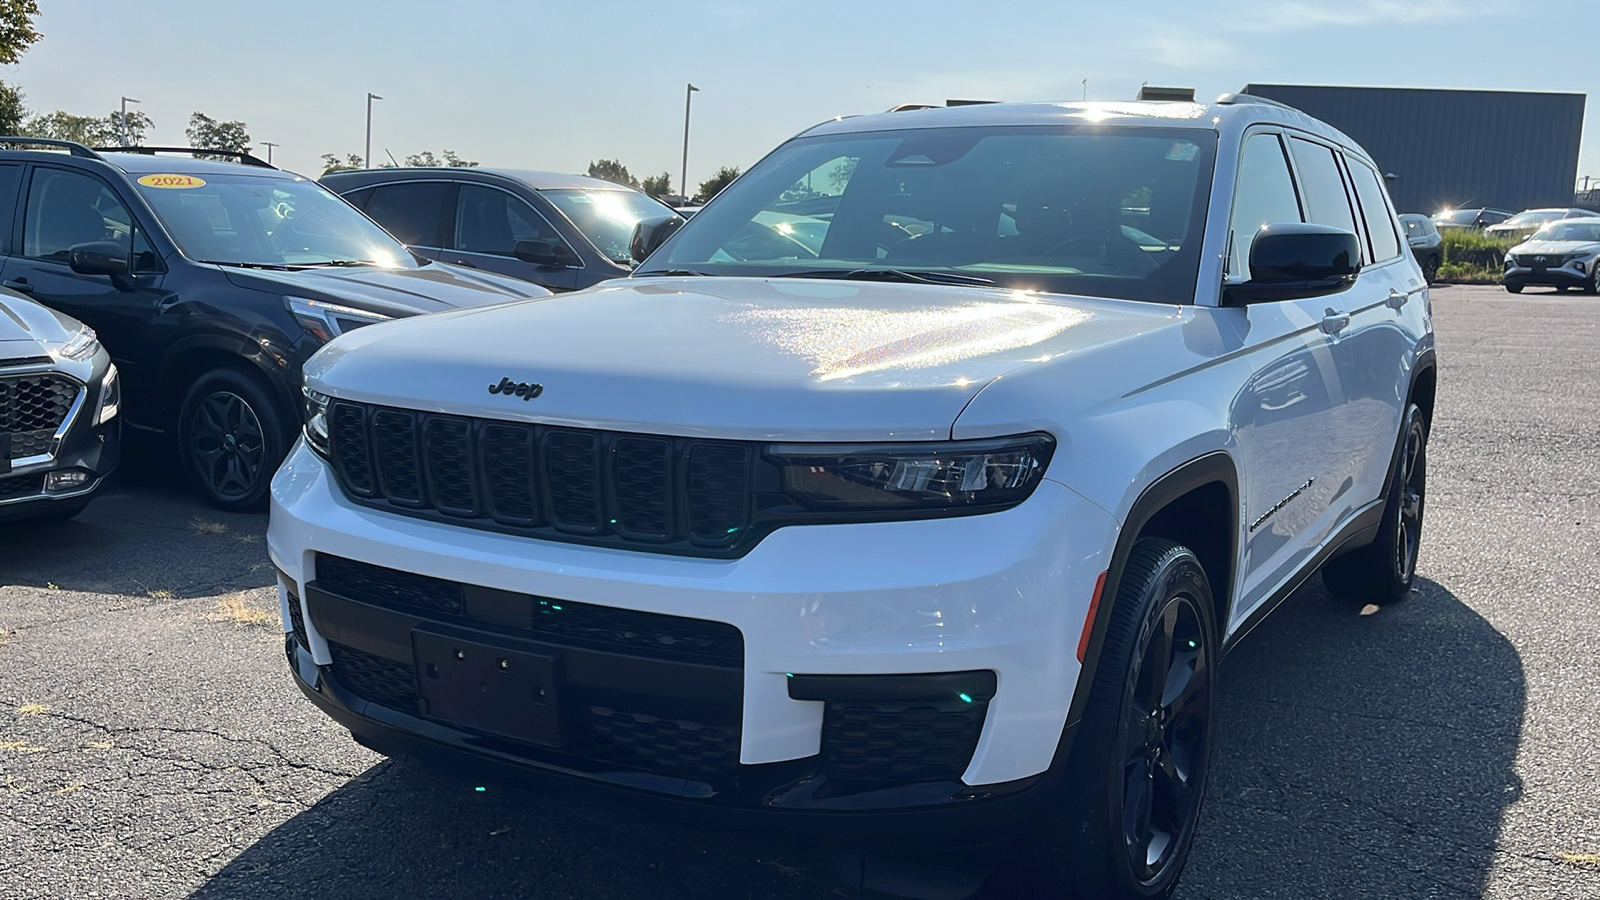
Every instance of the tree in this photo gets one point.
(13, 114)
(425, 159)
(714, 185)
(332, 163)
(658, 186)
(207, 133)
(16, 29)
(64, 126)
(453, 161)
(138, 124)
(612, 170)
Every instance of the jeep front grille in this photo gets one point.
(33, 408)
(669, 494)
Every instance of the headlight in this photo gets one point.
(316, 421)
(110, 398)
(890, 477)
(326, 321)
(80, 346)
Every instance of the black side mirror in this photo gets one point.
(649, 234)
(102, 258)
(543, 252)
(1296, 260)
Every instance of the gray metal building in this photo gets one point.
(1447, 148)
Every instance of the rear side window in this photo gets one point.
(1375, 212)
(1327, 202)
(358, 199)
(1265, 196)
(415, 212)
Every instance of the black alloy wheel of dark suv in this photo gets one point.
(210, 278)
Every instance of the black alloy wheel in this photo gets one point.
(1134, 784)
(1593, 287)
(1384, 570)
(232, 439)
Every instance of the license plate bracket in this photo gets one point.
(512, 693)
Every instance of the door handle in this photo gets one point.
(1396, 299)
(20, 285)
(1334, 322)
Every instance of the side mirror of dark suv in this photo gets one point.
(1296, 260)
(651, 233)
(101, 258)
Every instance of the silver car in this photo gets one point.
(1563, 254)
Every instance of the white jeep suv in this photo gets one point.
(923, 478)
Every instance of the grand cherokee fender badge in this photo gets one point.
(517, 388)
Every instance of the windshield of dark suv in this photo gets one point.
(1103, 211)
(252, 220)
(1457, 217)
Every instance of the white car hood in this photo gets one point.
(738, 358)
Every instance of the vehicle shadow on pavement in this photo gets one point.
(1361, 752)
(406, 829)
(1358, 755)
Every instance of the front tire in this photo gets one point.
(1136, 778)
(1513, 287)
(1384, 570)
(232, 438)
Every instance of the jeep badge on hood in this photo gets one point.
(518, 388)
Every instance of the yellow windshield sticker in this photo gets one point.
(179, 182)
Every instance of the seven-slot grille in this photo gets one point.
(32, 408)
(664, 493)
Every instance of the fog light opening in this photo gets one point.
(65, 480)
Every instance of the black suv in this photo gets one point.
(562, 232)
(210, 281)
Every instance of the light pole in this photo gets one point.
(683, 178)
(123, 122)
(370, 97)
(269, 145)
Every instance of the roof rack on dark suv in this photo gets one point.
(1235, 99)
(241, 156)
(75, 148)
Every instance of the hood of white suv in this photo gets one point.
(738, 358)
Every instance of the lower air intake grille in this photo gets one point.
(375, 679)
(21, 486)
(390, 588)
(900, 741)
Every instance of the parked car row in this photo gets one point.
(1562, 254)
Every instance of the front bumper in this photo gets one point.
(90, 452)
(1567, 275)
(1004, 593)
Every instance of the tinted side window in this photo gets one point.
(1327, 202)
(490, 220)
(359, 199)
(414, 212)
(10, 181)
(1375, 211)
(67, 208)
(1265, 196)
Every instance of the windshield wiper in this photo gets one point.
(248, 265)
(898, 275)
(674, 273)
(341, 263)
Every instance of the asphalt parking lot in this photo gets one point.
(152, 745)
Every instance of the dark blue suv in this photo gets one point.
(210, 281)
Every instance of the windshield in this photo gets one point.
(1568, 231)
(1112, 212)
(1457, 217)
(607, 218)
(1535, 217)
(251, 220)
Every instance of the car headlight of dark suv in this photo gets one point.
(888, 478)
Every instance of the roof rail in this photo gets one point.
(73, 147)
(1233, 99)
(241, 156)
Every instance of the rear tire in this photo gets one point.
(1384, 570)
(1430, 269)
(1514, 288)
(232, 436)
(1131, 798)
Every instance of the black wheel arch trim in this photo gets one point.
(280, 371)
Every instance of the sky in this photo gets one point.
(552, 86)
